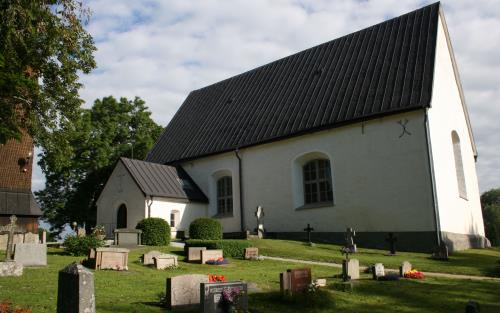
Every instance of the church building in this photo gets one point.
(369, 131)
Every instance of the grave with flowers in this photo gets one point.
(224, 297)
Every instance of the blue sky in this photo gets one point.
(161, 50)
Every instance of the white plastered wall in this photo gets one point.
(456, 214)
(381, 181)
(205, 173)
(120, 189)
(187, 212)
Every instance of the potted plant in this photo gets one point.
(99, 232)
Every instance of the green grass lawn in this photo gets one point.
(478, 262)
(139, 289)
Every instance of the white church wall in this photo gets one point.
(457, 214)
(187, 212)
(380, 178)
(120, 189)
(205, 173)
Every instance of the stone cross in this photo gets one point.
(10, 228)
(259, 214)
(391, 239)
(309, 229)
(349, 239)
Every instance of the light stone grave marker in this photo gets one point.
(194, 253)
(11, 239)
(10, 268)
(251, 253)
(75, 292)
(405, 267)
(30, 254)
(183, 292)
(128, 237)
(3, 241)
(351, 268)
(148, 258)
(31, 238)
(164, 261)
(207, 255)
(112, 259)
(378, 270)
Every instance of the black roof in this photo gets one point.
(384, 69)
(18, 202)
(163, 180)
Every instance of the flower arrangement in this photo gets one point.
(213, 278)
(231, 295)
(414, 274)
(219, 261)
(7, 307)
(99, 231)
(312, 287)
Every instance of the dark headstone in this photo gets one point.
(441, 252)
(222, 297)
(349, 240)
(251, 253)
(472, 307)
(308, 229)
(300, 279)
(75, 293)
(391, 239)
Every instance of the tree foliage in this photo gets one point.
(490, 203)
(95, 141)
(43, 48)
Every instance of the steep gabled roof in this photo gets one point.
(384, 69)
(163, 181)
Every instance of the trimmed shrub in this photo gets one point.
(205, 229)
(230, 248)
(81, 245)
(155, 231)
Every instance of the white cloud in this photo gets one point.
(161, 50)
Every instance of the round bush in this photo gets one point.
(206, 229)
(81, 245)
(155, 231)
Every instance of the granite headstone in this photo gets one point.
(75, 290)
(217, 297)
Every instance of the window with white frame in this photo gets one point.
(225, 195)
(317, 181)
(459, 166)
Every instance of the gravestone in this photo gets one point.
(391, 239)
(31, 238)
(251, 253)
(111, 259)
(349, 240)
(259, 214)
(164, 261)
(4, 238)
(404, 268)
(30, 254)
(10, 268)
(214, 297)
(441, 252)
(75, 291)
(194, 253)
(378, 271)
(10, 229)
(320, 282)
(472, 307)
(300, 279)
(44, 236)
(128, 237)
(148, 258)
(309, 229)
(183, 292)
(207, 255)
(81, 232)
(284, 282)
(350, 268)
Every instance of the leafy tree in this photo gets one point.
(43, 47)
(96, 140)
(490, 203)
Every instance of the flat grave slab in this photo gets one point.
(148, 258)
(194, 253)
(164, 261)
(210, 255)
(111, 259)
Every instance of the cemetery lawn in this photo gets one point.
(139, 289)
(476, 262)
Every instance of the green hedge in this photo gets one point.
(231, 248)
(155, 231)
(81, 245)
(205, 229)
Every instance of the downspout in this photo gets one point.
(242, 212)
(433, 182)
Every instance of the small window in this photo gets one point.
(225, 196)
(317, 182)
(459, 166)
(172, 219)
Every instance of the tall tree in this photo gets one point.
(99, 137)
(490, 203)
(43, 47)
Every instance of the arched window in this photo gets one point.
(225, 195)
(459, 166)
(121, 217)
(317, 181)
